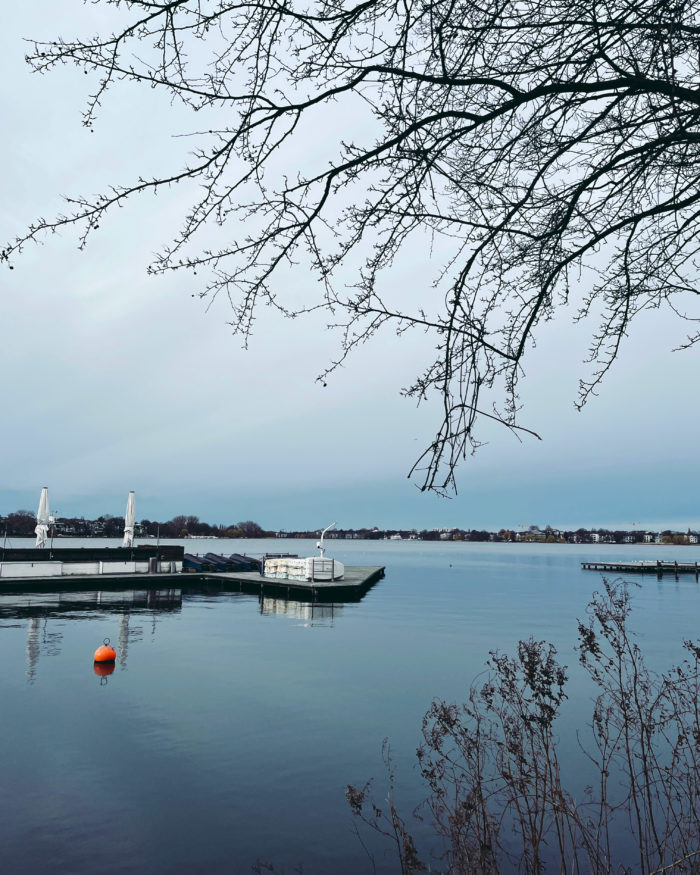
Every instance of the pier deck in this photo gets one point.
(356, 578)
(356, 581)
(659, 568)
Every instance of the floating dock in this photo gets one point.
(659, 568)
(356, 582)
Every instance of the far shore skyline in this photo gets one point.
(596, 499)
(219, 528)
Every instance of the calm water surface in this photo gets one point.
(231, 726)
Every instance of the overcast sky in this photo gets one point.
(113, 380)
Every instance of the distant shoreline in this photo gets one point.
(21, 525)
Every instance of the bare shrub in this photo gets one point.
(492, 767)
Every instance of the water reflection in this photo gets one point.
(123, 646)
(32, 648)
(42, 610)
(310, 613)
(40, 637)
(39, 608)
(33, 605)
(103, 670)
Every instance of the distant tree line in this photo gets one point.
(530, 534)
(21, 523)
(191, 526)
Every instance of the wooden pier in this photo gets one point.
(659, 568)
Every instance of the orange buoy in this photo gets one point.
(105, 653)
(102, 669)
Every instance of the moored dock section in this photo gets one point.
(659, 567)
(356, 580)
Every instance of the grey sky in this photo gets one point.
(113, 380)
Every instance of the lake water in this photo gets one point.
(231, 725)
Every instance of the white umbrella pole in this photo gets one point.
(129, 522)
(42, 518)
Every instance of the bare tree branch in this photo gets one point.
(551, 148)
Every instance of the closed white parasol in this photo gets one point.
(129, 522)
(42, 518)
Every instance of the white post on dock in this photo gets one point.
(320, 543)
(129, 522)
(42, 518)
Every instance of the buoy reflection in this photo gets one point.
(102, 670)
